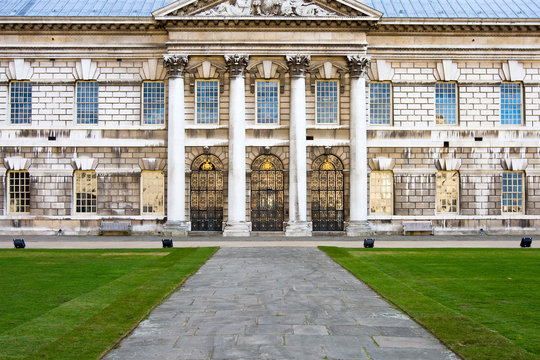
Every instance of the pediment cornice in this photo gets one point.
(247, 10)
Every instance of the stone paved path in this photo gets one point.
(277, 303)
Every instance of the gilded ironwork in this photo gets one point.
(327, 194)
(267, 194)
(206, 194)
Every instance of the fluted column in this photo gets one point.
(176, 173)
(358, 224)
(236, 224)
(298, 224)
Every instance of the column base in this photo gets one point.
(359, 228)
(237, 229)
(298, 228)
(176, 228)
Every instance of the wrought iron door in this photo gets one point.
(206, 195)
(327, 195)
(267, 194)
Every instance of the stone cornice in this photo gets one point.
(418, 25)
(130, 25)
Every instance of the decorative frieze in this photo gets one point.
(358, 65)
(237, 64)
(176, 64)
(298, 64)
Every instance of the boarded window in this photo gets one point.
(382, 192)
(152, 192)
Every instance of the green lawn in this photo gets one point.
(482, 303)
(76, 304)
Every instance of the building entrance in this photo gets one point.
(206, 194)
(267, 194)
(327, 194)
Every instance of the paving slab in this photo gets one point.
(277, 303)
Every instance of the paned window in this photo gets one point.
(511, 103)
(327, 102)
(87, 102)
(380, 103)
(267, 101)
(153, 102)
(382, 192)
(446, 103)
(512, 192)
(447, 192)
(152, 192)
(18, 191)
(85, 192)
(21, 102)
(207, 99)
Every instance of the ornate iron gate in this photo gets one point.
(206, 195)
(267, 194)
(327, 195)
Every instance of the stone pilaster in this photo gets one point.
(236, 224)
(298, 224)
(358, 224)
(176, 173)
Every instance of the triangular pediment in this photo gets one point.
(267, 9)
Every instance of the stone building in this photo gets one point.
(288, 116)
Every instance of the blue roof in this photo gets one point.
(494, 9)
(81, 8)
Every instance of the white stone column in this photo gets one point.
(358, 224)
(298, 224)
(176, 173)
(236, 224)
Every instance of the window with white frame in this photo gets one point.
(447, 192)
(207, 101)
(85, 188)
(20, 96)
(446, 103)
(327, 101)
(18, 186)
(267, 99)
(381, 192)
(152, 192)
(511, 103)
(153, 95)
(380, 103)
(513, 186)
(87, 102)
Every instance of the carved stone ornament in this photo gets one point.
(237, 64)
(358, 65)
(176, 64)
(298, 64)
(267, 8)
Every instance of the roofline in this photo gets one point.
(459, 21)
(77, 19)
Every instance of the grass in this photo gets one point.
(76, 304)
(482, 303)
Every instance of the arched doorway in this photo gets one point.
(267, 194)
(327, 195)
(206, 194)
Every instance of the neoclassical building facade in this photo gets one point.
(292, 117)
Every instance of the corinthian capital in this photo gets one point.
(358, 65)
(237, 64)
(176, 64)
(298, 64)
